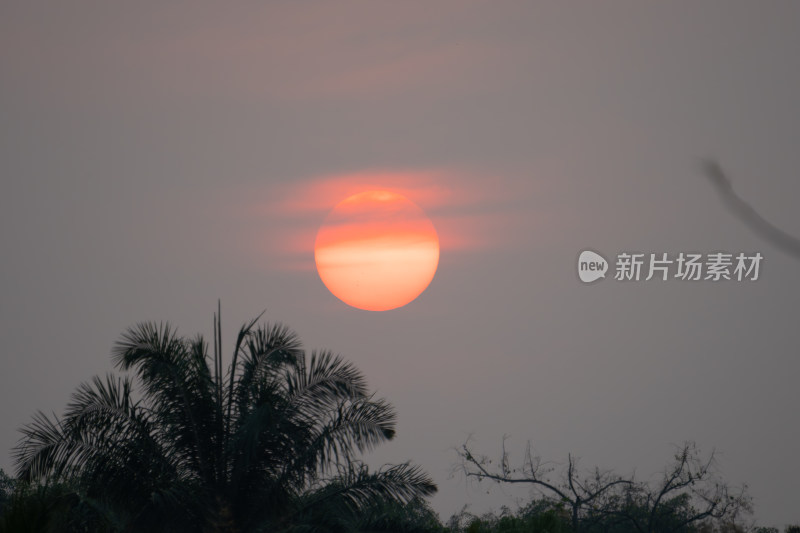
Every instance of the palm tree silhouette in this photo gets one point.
(270, 445)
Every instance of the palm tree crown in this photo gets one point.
(271, 444)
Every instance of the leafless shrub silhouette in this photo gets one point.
(690, 490)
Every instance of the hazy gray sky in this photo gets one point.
(155, 158)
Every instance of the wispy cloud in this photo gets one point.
(470, 213)
(284, 51)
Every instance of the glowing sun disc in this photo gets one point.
(376, 251)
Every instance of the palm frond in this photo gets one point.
(326, 381)
(41, 449)
(179, 389)
(357, 426)
(356, 489)
(145, 344)
(267, 348)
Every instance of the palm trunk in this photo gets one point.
(221, 520)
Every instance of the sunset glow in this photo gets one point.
(377, 251)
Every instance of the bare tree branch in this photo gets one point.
(573, 490)
(690, 491)
(743, 211)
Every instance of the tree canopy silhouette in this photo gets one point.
(270, 444)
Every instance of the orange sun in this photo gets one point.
(376, 251)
